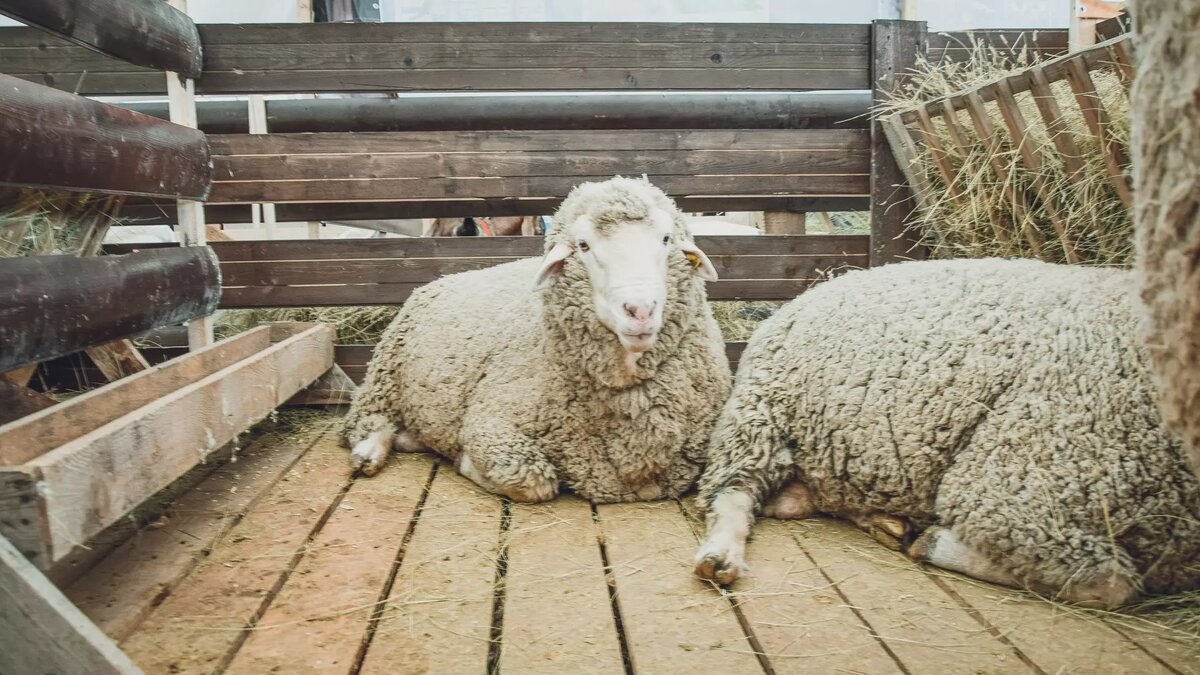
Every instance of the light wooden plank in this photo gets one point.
(673, 622)
(41, 631)
(118, 359)
(83, 487)
(120, 591)
(1020, 207)
(1058, 638)
(1180, 652)
(926, 628)
(199, 625)
(557, 614)
(38, 434)
(1055, 121)
(438, 617)
(1098, 122)
(798, 614)
(318, 620)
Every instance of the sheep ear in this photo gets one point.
(552, 265)
(700, 262)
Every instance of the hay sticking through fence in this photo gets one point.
(988, 218)
(42, 222)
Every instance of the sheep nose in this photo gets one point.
(640, 312)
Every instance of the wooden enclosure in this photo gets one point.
(281, 557)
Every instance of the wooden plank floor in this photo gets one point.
(283, 563)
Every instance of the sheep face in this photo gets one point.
(622, 233)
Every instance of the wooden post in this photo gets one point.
(304, 14)
(258, 125)
(895, 46)
(783, 222)
(1085, 14)
(181, 95)
(41, 631)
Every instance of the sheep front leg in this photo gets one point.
(506, 462)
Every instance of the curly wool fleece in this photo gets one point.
(531, 385)
(1008, 400)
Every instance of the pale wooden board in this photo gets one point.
(84, 490)
(798, 615)
(438, 617)
(1179, 652)
(122, 589)
(1059, 638)
(204, 617)
(673, 622)
(557, 613)
(42, 632)
(36, 434)
(319, 618)
(926, 628)
(118, 359)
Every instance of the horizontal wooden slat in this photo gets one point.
(537, 186)
(1050, 38)
(560, 163)
(537, 141)
(148, 33)
(244, 297)
(160, 213)
(463, 247)
(421, 270)
(69, 142)
(480, 56)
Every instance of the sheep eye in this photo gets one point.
(583, 245)
(666, 238)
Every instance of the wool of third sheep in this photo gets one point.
(1003, 409)
(1165, 103)
(607, 380)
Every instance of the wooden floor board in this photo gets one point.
(204, 617)
(797, 613)
(319, 618)
(673, 622)
(123, 587)
(1059, 639)
(924, 626)
(438, 617)
(557, 614)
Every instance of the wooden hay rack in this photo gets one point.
(913, 132)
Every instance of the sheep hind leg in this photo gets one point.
(509, 465)
(939, 546)
(722, 556)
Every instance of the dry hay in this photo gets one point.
(41, 222)
(1096, 219)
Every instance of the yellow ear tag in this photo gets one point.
(694, 259)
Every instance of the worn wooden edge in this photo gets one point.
(31, 436)
(1055, 69)
(169, 436)
(147, 33)
(333, 388)
(42, 631)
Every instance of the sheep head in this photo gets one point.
(622, 233)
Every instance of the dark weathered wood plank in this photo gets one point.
(72, 143)
(422, 270)
(17, 401)
(55, 305)
(148, 33)
(466, 247)
(41, 631)
(164, 214)
(538, 141)
(368, 189)
(895, 48)
(530, 164)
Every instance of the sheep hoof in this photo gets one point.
(718, 569)
(369, 455)
(540, 491)
(1108, 589)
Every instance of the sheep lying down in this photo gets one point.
(1000, 413)
(607, 380)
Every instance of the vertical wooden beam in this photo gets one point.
(258, 125)
(304, 14)
(1056, 127)
(181, 95)
(783, 222)
(895, 46)
(41, 631)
